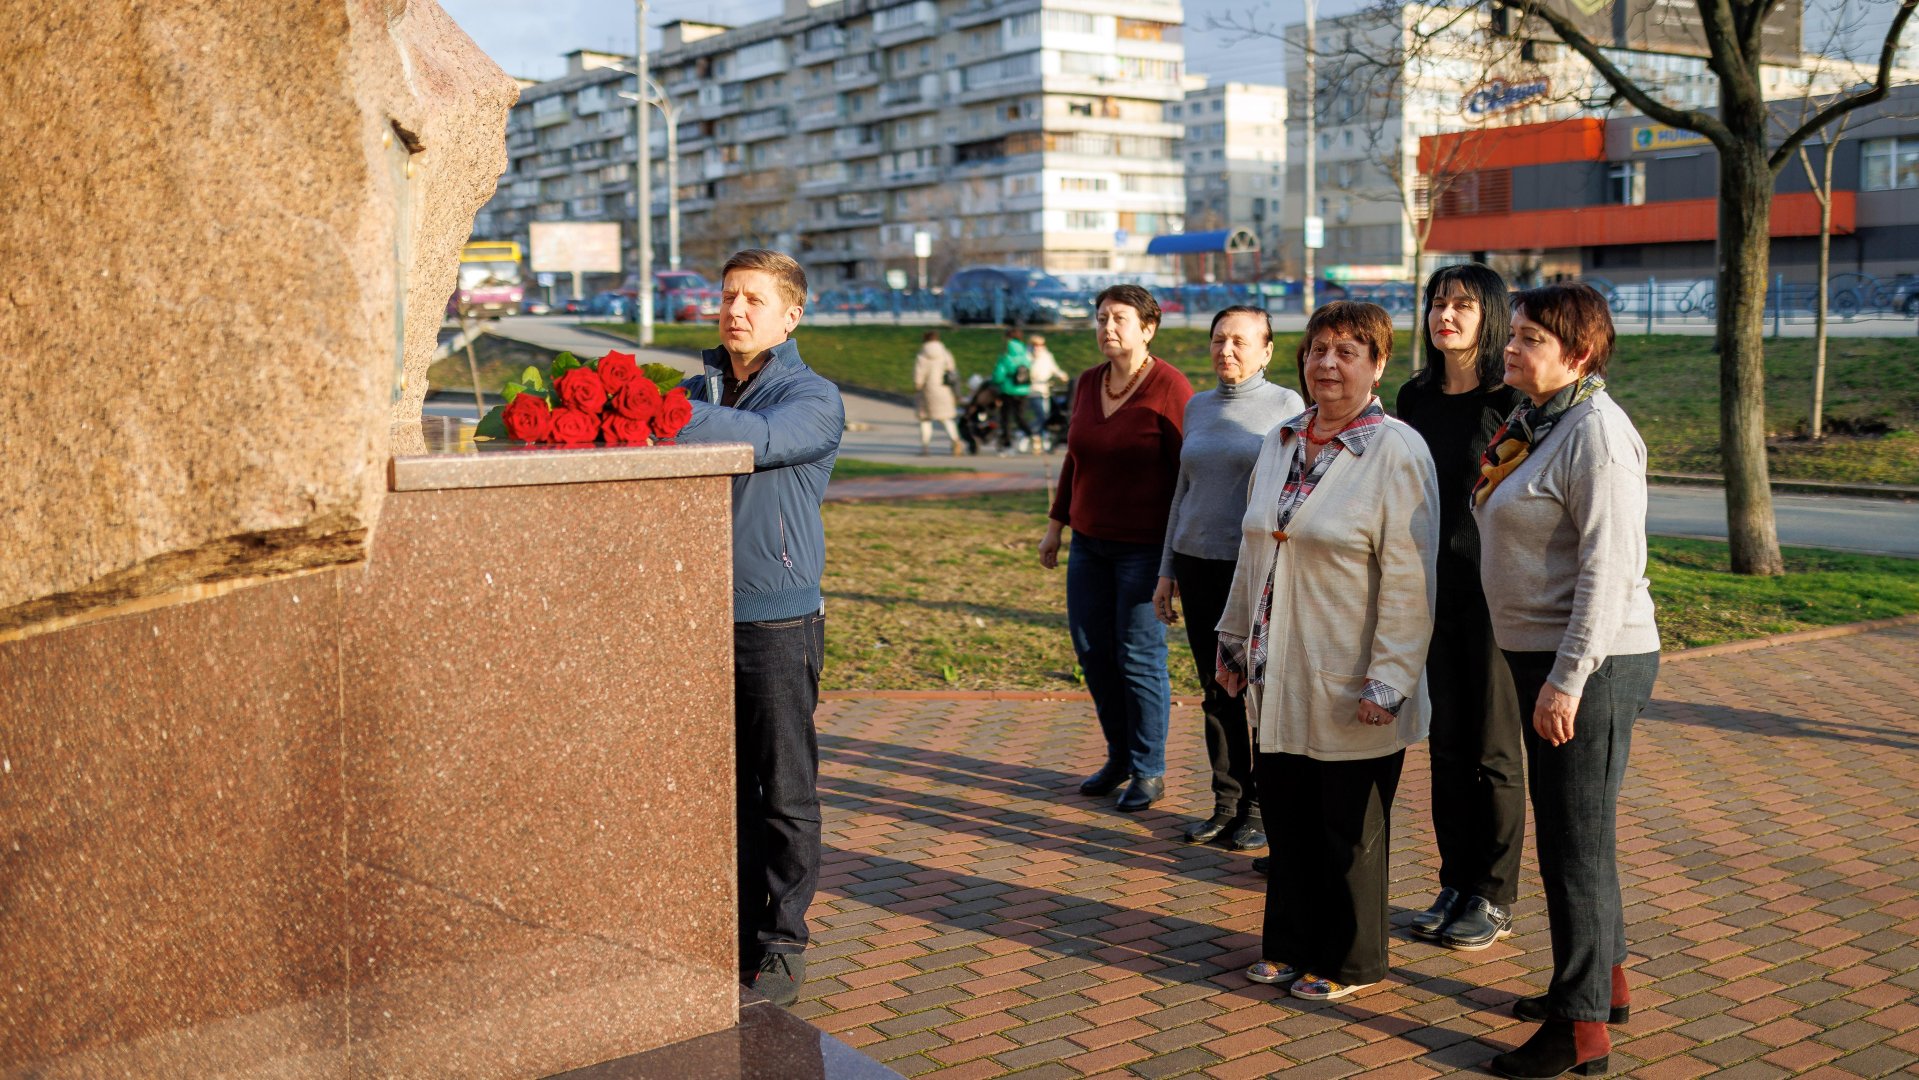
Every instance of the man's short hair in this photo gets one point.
(1578, 315)
(784, 268)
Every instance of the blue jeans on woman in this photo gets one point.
(1121, 647)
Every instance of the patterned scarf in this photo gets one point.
(1526, 428)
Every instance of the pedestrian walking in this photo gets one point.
(935, 377)
(1012, 379)
(1222, 433)
(1325, 629)
(1115, 488)
(1047, 379)
(1456, 402)
(1561, 508)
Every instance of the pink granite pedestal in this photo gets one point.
(461, 811)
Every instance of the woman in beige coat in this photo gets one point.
(934, 375)
(1326, 628)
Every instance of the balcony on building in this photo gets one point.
(905, 22)
(976, 12)
(823, 179)
(853, 72)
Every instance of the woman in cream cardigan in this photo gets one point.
(1326, 629)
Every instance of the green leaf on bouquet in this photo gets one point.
(492, 425)
(532, 379)
(564, 363)
(664, 376)
(511, 390)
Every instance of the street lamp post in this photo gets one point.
(643, 184)
(1309, 225)
(670, 113)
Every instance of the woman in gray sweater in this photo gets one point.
(1561, 506)
(1224, 429)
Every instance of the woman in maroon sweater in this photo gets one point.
(1115, 490)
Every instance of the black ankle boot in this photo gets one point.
(1557, 1048)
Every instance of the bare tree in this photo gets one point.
(1749, 164)
(1821, 184)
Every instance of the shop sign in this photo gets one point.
(1660, 137)
(1499, 96)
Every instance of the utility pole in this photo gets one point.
(643, 184)
(1312, 227)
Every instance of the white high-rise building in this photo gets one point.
(1012, 132)
(1235, 158)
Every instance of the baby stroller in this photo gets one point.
(979, 419)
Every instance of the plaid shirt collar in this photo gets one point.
(1358, 434)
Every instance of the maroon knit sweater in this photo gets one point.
(1117, 482)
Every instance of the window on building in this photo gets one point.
(1626, 183)
(1886, 164)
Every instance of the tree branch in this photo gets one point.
(1846, 104)
(1690, 119)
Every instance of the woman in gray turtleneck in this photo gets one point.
(1224, 429)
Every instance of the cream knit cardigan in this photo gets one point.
(1352, 596)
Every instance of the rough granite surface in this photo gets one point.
(219, 218)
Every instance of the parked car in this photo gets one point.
(610, 303)
(534, 306)
(1016, 294)
(1903, 290)
(679, 295)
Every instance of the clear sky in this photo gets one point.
(530, 39)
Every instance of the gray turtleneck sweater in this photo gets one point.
(1223, 431)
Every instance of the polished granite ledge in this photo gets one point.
(768, 1043)
(440, 453)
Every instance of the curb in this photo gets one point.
(1791, 638)
(1804, 487)
(1702, 653)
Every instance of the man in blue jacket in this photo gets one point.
(756, 390)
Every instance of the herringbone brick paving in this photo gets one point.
(979, 918)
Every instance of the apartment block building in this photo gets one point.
(1383, 84)
(1022, 132)
(1235, 158)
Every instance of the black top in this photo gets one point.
(1457, 428)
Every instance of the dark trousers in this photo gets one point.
(1121, 647)
(776, 685)
(1014, 417)
(1479, 794)
(1575, 793)
(1203, 585)
(1330, 830)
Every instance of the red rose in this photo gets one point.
(617, 369)
(624, 430)
(638, 400)
(572, 426)
(675, 413)
(527, 418)
(582, 389)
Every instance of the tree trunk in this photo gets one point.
(1816, 426)
(1745, 218)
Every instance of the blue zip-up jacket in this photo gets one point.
(793, 420)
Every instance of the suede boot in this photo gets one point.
(1534, 1008)
(1557, 1048)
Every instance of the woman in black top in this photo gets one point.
(1457, 401)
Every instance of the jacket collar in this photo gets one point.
(784, 359)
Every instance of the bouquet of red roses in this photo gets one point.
(612, 400)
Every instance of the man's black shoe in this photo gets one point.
(1142, 793)
(1480, 923)
(1263, 865)
(1430, 922)
(1200, 832)
(780, 976)
(1109, 777)
(1246, 836)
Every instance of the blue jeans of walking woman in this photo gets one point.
(1575, 793)
(1121, 647)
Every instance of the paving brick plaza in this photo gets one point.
(979, 918)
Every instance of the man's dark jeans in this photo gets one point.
(776, 686)
(1575, 792)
